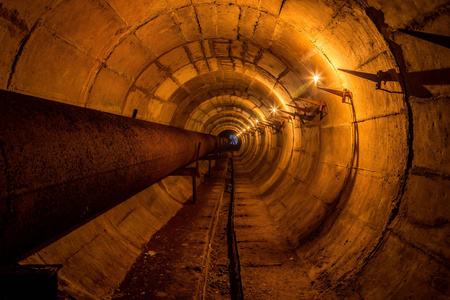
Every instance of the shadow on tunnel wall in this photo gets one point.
(415, 81)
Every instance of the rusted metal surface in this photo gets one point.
(320, 110)
(298, 108)
(291, 114)
(275, 124)
(63, 165)
(319, 103)
(344, 93)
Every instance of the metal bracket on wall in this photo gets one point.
(321, 105)
(293, 114)
(274, 123)
(298, 108)
(260, 129)
(345, 94)
(278, 122)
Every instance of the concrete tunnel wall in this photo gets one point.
(362, 195)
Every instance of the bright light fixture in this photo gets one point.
(274, 110)
(316, 78)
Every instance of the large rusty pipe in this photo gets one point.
(61, 165)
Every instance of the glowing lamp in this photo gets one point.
(316, 78)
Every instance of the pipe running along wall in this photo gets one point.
(64, 165)
(361, 193)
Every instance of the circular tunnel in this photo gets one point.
(356, 178)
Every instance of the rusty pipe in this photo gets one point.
(62, 165)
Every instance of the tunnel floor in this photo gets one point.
(189, 257)
(269, 268)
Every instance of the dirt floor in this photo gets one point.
(269, 268)
(189, 257)
(173, 265)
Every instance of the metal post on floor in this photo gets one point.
(193, 172)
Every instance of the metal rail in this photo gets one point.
(236, 292)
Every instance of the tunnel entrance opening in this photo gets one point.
(234, 143)
(233, 139)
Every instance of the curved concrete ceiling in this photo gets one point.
(366, 170)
